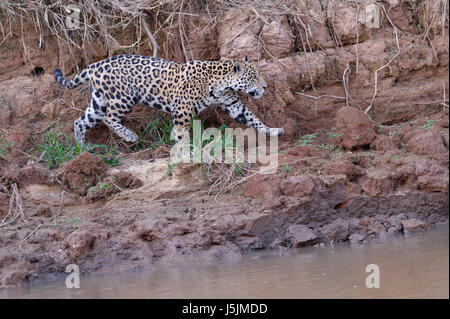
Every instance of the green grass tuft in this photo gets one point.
(57, 148)
(155, 134)
(4, 146)
(306, 140)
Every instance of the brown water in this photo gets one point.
(411, 266)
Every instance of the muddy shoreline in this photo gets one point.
(320, 271)
(176, 221)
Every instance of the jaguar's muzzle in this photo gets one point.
(256, 93)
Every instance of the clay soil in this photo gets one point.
(342, 175)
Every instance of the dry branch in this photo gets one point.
(386, 65)
(152, 38)
(15, 208)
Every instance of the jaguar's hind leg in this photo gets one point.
(95, 112)
(113, 118)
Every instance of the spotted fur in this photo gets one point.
(182, 89)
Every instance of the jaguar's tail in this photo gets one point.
(81, 77)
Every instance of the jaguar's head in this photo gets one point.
(246, 78)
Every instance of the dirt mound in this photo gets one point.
(426, 140)
(127, 180)
(113, 184)
(29, 174)
(386, 143)
(17, 142)
(83, 172)
(354, 128)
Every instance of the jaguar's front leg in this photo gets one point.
(181, 123)
(237, 110)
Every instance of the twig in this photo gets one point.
(270, 54)
(429, 26)
(150, 35)
(357, 41)
(181, 33)
(307, 60)
(28, 236)
(433, 102)
(322, 96)
(240, 32)
(445, 98)
(345, 85)
(15, 207)
(61, 203)
(384, 66)
(444, 16)
(45, 129)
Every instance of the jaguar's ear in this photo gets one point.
(245, 58)
(238, 69)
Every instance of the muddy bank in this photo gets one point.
(154, 218)
(137, 215)
(342, 175)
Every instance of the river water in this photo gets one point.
(410, 266)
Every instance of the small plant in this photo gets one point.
(287, 168)
(103, 187)
(393, 133)
(4, 146)
(238, 169)
(306, 140)
(334, 133)
(149, 171)
(335, 149)
(75, 220)
(327, 147)
(170, 168)
(428, 125)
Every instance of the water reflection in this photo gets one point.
(415, 266)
